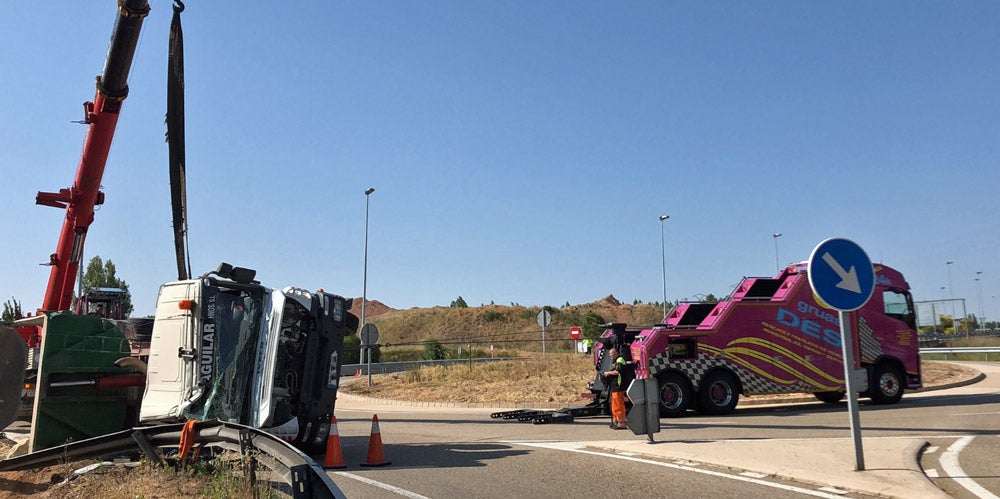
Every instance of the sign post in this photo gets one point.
(574, 332)
(841, 275)
(544, 319)
(369, 337)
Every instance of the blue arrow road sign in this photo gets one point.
(841, 274)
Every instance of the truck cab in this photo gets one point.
(225, 347)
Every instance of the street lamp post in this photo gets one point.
(364, 285)
(777, 267)
(663, 263)
(979, 286)
(951, 290)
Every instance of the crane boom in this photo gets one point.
(101, 116)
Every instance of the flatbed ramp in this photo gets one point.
(564, 415)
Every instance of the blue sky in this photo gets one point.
(521, 151)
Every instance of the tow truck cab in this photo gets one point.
(224, 347)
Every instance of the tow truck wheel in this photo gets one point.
(830, 397)
(718, 393)
(886, 384)
(675, 395)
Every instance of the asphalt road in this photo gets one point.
(449, 452)
(468, 455)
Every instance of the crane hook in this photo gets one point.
(178, 6)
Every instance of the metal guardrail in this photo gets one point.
(395, 367)
(305, 478)
(986, 351)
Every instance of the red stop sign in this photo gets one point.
(574, 332)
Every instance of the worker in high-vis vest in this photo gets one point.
(616, 383)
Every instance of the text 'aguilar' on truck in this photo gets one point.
(771, 336)
(224, 347)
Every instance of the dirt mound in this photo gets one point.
(373, 308)
(609, 300)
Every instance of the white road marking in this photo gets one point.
(930, 450)
(949, 464)
(833, 490)
(932, 473)
(753, 474)
(579, 448)
(385, 486)
(994, 413)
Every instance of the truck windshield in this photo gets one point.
(227, 353)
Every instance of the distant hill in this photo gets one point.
(506, 326)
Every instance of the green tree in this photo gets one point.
(591, 328)
(434, 350)
(101, 274)
(459, 303)
(11, 310)
(352, 352)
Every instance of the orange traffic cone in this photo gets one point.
(357, 374)
(375, 455)
(334, 456)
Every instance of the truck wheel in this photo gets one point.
(675, 395)
(886, 384)
(830, 397)
(718, 393)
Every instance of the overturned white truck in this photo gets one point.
(225, 347)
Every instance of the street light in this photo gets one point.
(951, 290)
(979, 285)
(776, 235)
(663, 262)
(364, 284)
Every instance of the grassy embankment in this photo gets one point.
(509, 329)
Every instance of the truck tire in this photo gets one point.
(830, 397)
(675, 395)
(886, 384)
(718, 393)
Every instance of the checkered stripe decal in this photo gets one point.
(870, 349)
(696, 368)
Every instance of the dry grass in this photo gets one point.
(560, 379)
(506, 326)
(219, 478)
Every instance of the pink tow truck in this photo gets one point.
(771, 336)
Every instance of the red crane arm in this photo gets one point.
(101, 117)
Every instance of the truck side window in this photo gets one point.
(897, 306)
